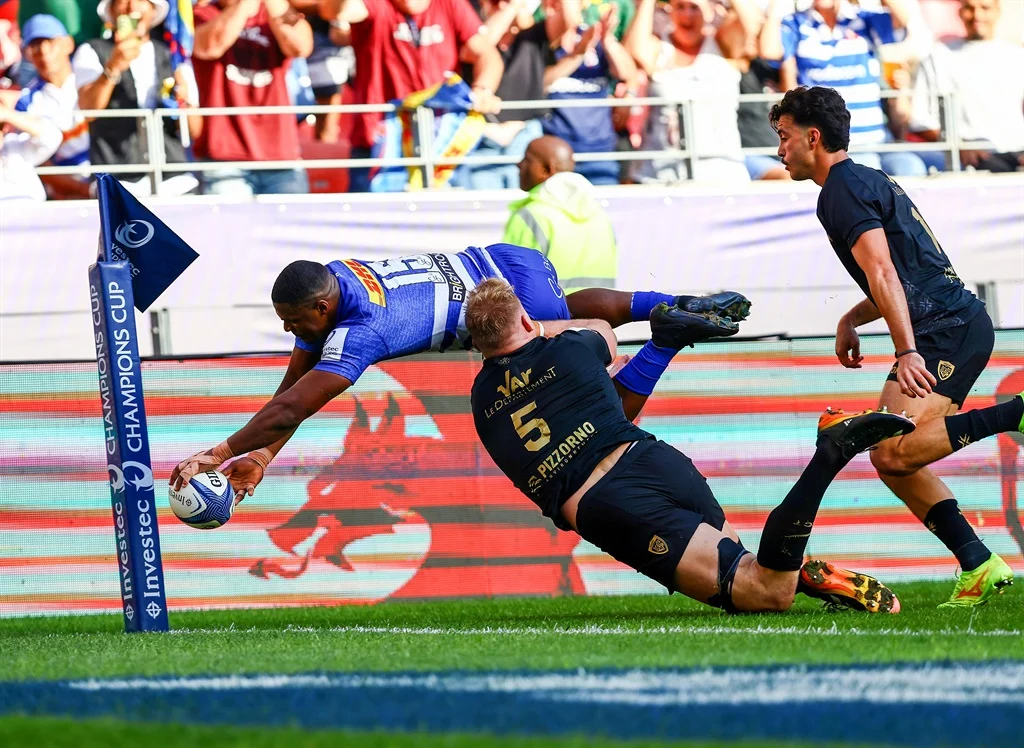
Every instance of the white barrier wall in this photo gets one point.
(763, 240)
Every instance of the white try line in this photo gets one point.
(599, 630)
(932, 683)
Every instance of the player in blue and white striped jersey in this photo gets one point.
(349, 315)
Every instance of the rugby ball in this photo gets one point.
(205, 502)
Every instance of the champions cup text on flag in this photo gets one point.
(457, 130)
(139, 258)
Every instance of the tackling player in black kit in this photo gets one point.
(555, 423)
(942, 334)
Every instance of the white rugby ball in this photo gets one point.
(205, 502)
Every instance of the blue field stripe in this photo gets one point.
(938, 704)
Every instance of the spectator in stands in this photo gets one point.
(53, 96)
(13, 71)
(523, 46)
(561, 218)
(26, 143)
(690, 65)
(241, 55)
(583, 62)
(330, 65)
(403, 46)
(739, 44)
(988, 76)
(835, 43)
(131, 70)
(592, 10)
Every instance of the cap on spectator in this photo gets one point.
(42, 26)
(161, 6)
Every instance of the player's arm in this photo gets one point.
(847, 339)
(246, 473)
(554, 327)
(276, 421)
(871, 251)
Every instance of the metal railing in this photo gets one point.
(152, 123)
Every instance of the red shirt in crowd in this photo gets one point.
(251, 73)
(389, 62)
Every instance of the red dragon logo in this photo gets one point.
(486, 539)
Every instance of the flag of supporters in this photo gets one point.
(457, 130)
(180, 31)
(129, 231)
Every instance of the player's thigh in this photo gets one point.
(921, 409)
(534, 279)
(956, 357)
(697, 572)
(647, 510)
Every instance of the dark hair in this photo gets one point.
(818, 107)
(300, 283)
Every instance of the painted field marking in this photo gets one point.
(599, 630)
(947, 683)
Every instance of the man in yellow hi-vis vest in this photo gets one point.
(561, 218)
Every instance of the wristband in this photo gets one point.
(540, 331)
(114, 78)
(222, 452)
(262, 457)
(904, 353)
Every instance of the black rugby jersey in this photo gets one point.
(548, 413)
(856, 199)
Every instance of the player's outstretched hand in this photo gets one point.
(914, 378)
(185, 470)
(245, 474)
(848, 346)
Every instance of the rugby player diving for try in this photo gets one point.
(565, 438)
(349, 315)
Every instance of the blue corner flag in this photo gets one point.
(129, 231)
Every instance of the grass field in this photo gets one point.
(492, 659)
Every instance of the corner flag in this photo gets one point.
(130, 232)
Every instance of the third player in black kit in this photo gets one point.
(942, 334)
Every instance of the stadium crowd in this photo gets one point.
(58, 57)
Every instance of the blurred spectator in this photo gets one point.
(53, 96)
(987, 74)
(78, 16)
(690, 65)
(523, 47)
(241, 55)
(404, 46)
(739, 44)
(132, 71)
(561, 218)
(835, 43)
(582, 64)
(13, 71)
(330, 65)
(593, 10)
(27, 142)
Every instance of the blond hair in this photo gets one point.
(492, 311)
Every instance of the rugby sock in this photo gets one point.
(785, 535)
(952, 528)
(966, 428)
(642, 372)
(643, 302)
